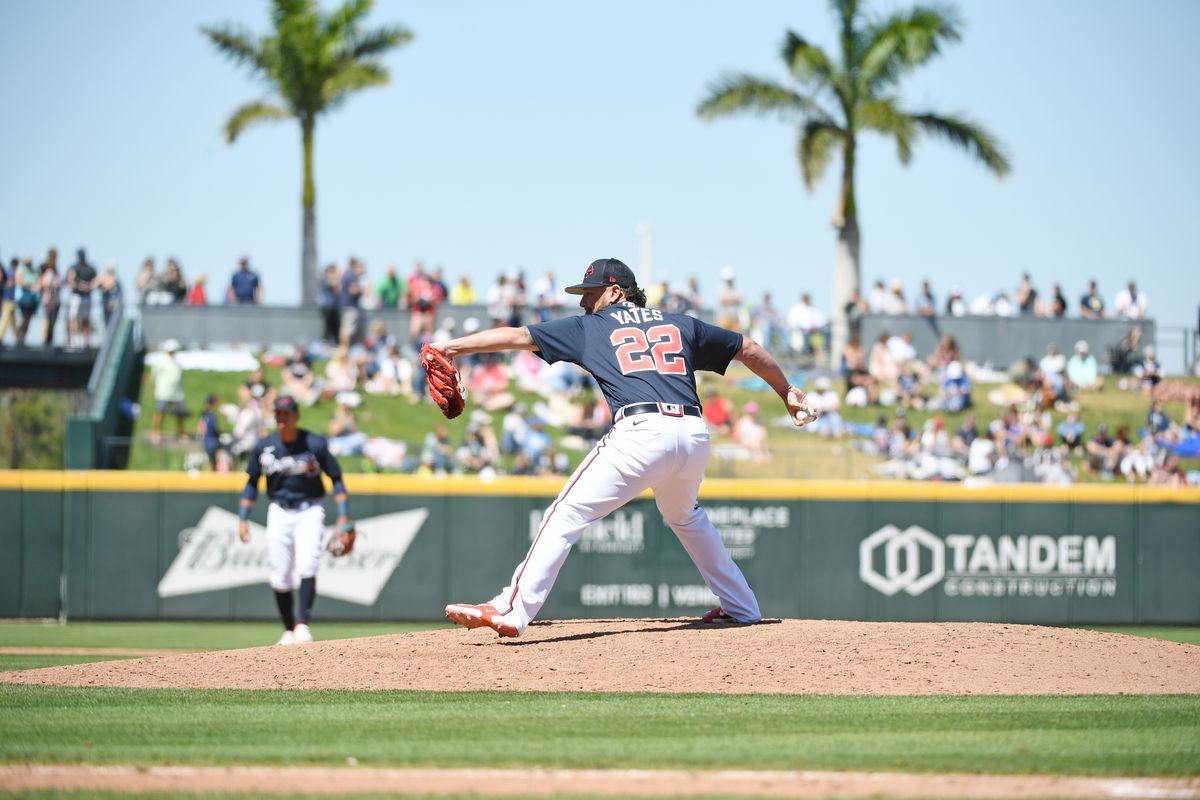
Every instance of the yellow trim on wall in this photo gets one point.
(724, 489)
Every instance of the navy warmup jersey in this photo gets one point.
(293, 470)
(639, 355)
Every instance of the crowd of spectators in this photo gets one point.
(1023, 441)
(1128, 304)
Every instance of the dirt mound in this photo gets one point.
(672, 655)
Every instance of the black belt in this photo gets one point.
(666, 409)
(296, 505)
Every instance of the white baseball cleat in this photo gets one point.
(287, 638)
(302, 634)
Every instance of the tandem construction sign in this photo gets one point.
(914, 560)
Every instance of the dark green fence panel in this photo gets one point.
(1016, 556)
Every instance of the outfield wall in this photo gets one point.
(126, 545)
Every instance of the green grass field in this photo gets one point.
(1125, 735)
(1067, 735)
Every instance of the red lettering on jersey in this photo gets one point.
(663, 342)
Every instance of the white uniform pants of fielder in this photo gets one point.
(294, 543)
(649, 451)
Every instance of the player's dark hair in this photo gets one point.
(636, 296)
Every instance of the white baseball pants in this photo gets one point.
(648, 451)
(294, 543)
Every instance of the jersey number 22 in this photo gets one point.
(657, 349)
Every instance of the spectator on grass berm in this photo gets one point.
(110, 293)
(1070, 433)
(859, 379)
(966, 434)
(1157, 421)
(751, 434)
(589, 419)
(1099, 450)
(1091, 305)
(298, 377)
(167, 377)
(478, 451)
(956, 306)
(1083, 371)
(1130, 303)
(826, 400)
(248, 426)
(328, 300)
(718, 412)
(390, 289)
(81, 280)
(1149, 372)
(882, 366)
(489, 384)
(257, 390)
(944, 352)
(436, 451)
(908, 387)
(954, 394)
(1027, 298)
(245, 288)
(513, 429)
(350, 293)
(901, 348)
(925, 304)
(345, 439)
(1054, 361)
(50, 282)
(394, 375)
(341, 375)
(208, 432)
(28, 296)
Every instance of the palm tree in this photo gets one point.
(312, 61)
(836, 100)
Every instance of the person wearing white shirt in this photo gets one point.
(879, 299)
(896, 304)
(901, 348)
(1053, 361)
(1130, 303)
(826, 400)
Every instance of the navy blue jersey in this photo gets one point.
(293, 470)
(639, 355)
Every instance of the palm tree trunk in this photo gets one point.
(846, 269)
(308, 258)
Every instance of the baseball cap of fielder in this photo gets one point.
(285, 402)
(604, 272)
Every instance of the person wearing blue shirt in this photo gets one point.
(245, 289)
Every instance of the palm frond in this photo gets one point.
(240, 45)
(344, 20)
(351, 78)
(253, 113)
(882, 115)
(379, 40)
(967, 135)
(807, 62)
(815, 148)
(904, 41)
(745, 93)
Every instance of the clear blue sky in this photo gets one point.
(540, 134)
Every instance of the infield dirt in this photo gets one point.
(678, 655)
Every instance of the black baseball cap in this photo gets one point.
(604, 272)
(285, 402)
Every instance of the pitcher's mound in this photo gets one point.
(675, 655)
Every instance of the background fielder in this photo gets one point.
(644, 361)
(293, 459)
